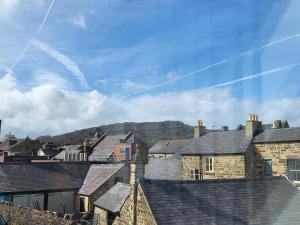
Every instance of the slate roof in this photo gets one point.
(27, 177)
(49, 152)
(114, 199)
(163, 169)
(262, 201)
(221, 142)
(68, 149)
(278, 135)
(97, 175)
(105, 148)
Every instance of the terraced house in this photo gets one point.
(250, 151)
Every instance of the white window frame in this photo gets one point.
(194, 173)
(208, 162)
(294, 170)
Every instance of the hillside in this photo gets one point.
(148, 133)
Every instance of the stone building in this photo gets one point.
(107, 145)
(253, 150)
(99, 179)
(67, 188)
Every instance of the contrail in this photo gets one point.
(34, 36)
(63, 59)
(175, 79)
(286, 38)
(261, 74)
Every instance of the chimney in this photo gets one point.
(225, 128)
(199, 129)
(280, 124)
(277, 124)
(252, 125)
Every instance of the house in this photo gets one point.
(99, 179)
(43, 186)
(109, 205)
(14, 146)
(113, 148)
(60, 187)
(48, 149)
(250, 151)
(272, 200)
(70, 153)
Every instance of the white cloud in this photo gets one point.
(7, 7)
(48, 109)
(172, 76)
(131, 85)
(46, 77)
(63, 59)
(101, 81)
(79, 21)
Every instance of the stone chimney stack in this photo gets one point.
(199, 129)
(252, 125)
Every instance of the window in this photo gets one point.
(195, 174)
(192, 174)
(118, 179)
(268, 167)
(208, 164)
(294, 169)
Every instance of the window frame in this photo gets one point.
(264, 167)
(208, 162)
(195, 174)
(293, 171)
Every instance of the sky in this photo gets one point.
(68, 65)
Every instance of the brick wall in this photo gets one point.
(18, 215)
(277, 152)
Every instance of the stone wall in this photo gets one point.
(18, 215)
(227, 167)
(190, 162)
(277, 152)
(126, 214)
(144, 214)
(102, 216)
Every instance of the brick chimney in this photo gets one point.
(199, 129)
(252, 125)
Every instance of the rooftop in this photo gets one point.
(261, 201)
(163, 169)
(114, 199)
(221, 142)
(97, 175)
(31, 177)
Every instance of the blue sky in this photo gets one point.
(131, 51)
